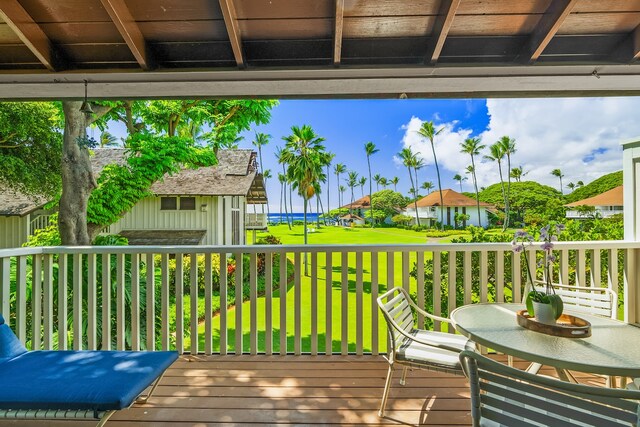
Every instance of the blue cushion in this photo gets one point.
(87, 380)
(10, 346)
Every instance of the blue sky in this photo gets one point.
(581, 136)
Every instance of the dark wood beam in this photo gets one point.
(337, 34)
(231, 22)
(31, 34)
(129, 30)
(636, 43)
(441, 28)
(547, 27)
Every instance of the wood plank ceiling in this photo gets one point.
(124, 35)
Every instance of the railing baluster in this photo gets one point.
(452, 286)
(77, 302)
(484, 275)
(564, 266)
(208, 303)
(612, 276)
(437, 283)
(62, 301)
(374, 304)
(405, 271)
(36, 301)
(580, 268)
(238, 345)
(314, 303)
(630, 284)
(297, 303)
(268, 306)
(344, 305)
(328, 344)
(164, 301)
(92, 301)
(179, 303)
(596, 269)
(5, 282)
(359, 304)
(193, 302)
(135, 302)
(253, 297)
(21, 299)
(283, 302)
(223, 304)
(47, 290)
(466, 268)
(420, 285)
(150, 341)
(516, 277)
(499, 276)
(106, 301)
(120, 301)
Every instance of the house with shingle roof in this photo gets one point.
(207, 205)
(430, 208)
(604, 205)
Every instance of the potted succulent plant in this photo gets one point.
(543, 303)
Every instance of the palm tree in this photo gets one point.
(338, 169)
(428, 131)
(260, 140)
(384, 182)
(281, 157)
(579, 184)
(459, 178)
(558, 173)
(341, 190)
(517, 174)
(108, 140)
(330, 157)
(395, 180)
(508, 146)
(370, 149)
(362, 183)
(473, 146)
(377, 179)
(571, 186)
(427, 186)
(417, 165)
(282, 178)
(352, 182)
(408, 159)
(304, 154)
(496, 155)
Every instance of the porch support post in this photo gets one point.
(631, 182)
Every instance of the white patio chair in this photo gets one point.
(417, 348)
(505, 396)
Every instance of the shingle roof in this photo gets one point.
(361, 203)
(450, 198)
(15, 203)
(613, 197)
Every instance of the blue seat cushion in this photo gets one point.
(87, 380)
(10, 345)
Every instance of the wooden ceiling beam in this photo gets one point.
(636, 43)
(231, 22)
(441, 28)
(337, 34)
(31, 35)
(547, 27)
(130, 32)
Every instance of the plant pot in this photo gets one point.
(544, 313)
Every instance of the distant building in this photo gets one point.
(20, 216)
(429, 209)
(349, 219)
(604, 205)
(359, 207)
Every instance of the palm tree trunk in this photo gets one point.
(435, 161)
(504, 195)
(506, 204)
(281, 193)
(328, 191)
(306, 272)
(415, 199)
(317, 211)
(475, 184)
(322, 210)
(291, 202)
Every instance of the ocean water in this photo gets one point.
(274, 218)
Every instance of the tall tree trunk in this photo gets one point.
(328, 191)
(415, 199)
(506, 205)
(504, 195)
(371, 192)
(324, 214)
(475, 184)
(318, 211)
(306, 271)
(291, 203)
(77, 178)
(281, 192)
(435, 162)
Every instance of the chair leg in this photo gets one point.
(385, 394)
(403, 378)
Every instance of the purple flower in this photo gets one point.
(516, 248)
(551, 258)
(560, 228)
(520, 234)
(547, 246)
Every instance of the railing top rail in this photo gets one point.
(21, 251)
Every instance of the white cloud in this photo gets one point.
(581, 136)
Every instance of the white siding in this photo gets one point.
(426, 214)
(146, 215)
(13, 231)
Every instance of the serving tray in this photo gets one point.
(567, 326)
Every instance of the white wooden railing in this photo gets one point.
(39, 222)
(97, 297)
(256, 221)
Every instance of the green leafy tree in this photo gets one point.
(400, 219)
(30, 147)
(408, 160)
(388, 201)
(107, 140)
(370, 149)
(529, 200)
(604, 183)
(427, 130)
(472, 147)
(558, 174)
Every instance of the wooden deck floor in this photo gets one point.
(293, 390)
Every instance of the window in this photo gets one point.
(187, 203)
(168, 203)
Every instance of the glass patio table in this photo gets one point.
(612, 349)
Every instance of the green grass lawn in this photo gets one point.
(328, 235)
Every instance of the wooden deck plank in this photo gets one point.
(295, 390)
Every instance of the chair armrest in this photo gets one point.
(421, 341)
(429, 315)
